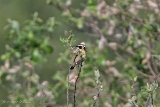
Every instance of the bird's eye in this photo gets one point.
(80, 47)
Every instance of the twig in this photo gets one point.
(157, 78)
(133, 88)
(152, 67)
(68, 85)
(151, 70)
(150, 101)
(75, 85)
(98, 87)
(96, 99)
(70, 47)
(68, 88)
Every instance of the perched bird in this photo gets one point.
(80, 55)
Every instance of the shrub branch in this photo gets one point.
(75, 85)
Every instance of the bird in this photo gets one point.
(80, 55)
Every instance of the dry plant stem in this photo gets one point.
(151, 70)
(146, 102)
(134, 92)
(152, 67)
(96, 101)
(68, 78)
(75, 85)
(157, 78)
(43, 95)
(149, 100)
(151, 97)
(97, 96)
(68, 88)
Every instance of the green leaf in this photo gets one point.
(80, 24)
(97, 75)
(48, 49)
(17, 54)
(48, 1)
(91, 2)
(63, 40)
(6, 56)
(135, 79)
(31, 36)
(36, 56)
(147, 27)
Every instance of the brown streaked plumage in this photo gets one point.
(80, 55)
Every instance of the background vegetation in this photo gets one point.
(122, 64)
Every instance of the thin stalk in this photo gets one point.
(75, 85)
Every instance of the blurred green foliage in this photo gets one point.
(29, 41)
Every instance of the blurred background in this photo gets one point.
(122, 40)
